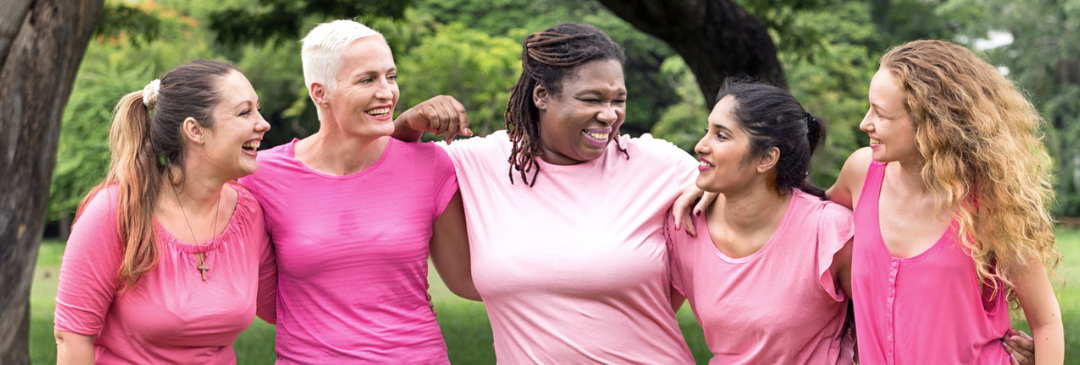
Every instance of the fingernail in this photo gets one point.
(697, 212)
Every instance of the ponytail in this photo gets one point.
(137, 174)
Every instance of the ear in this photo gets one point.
(193, 131)
(768, 160)
(318, 93)
(540, 95)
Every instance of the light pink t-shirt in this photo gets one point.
(779, 305)
(352, 255)
(574, 270)
(171, 316)
(926, 309)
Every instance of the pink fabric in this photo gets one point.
(780, 305)
(574, 270)
(171, 316)
(925, 309)
(352, 255)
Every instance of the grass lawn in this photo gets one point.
(465, 324)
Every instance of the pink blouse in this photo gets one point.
(925, 309)
(171, 315)
(779, 305)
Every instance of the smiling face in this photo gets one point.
(238, 128)
(892, 134)
(362, 103)
(724, 151)
(578, 122)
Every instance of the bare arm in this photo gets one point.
(692, 197)
(852, 176)
(73, 348)
(841, 267)
(440, 114)
(450, 250)
(1036, 295)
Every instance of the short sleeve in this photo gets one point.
(674, 263)
(87, 282)
(683, 164)
(446, 183)
(836, 226)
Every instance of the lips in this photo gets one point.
(597, 137)
(251, 146)
(379, 112)
(704, 164)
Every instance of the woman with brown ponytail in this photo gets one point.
(568, 251)
(168, 258)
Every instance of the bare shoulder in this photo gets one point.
(848, 185)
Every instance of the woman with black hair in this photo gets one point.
(568, 251)
(768, 275)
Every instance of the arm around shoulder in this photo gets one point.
(850, 181)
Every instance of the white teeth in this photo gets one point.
(378, 111)
(875, 141)
(597, 136)
(251, 145)
(704, 164)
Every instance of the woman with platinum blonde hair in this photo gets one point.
(354, 215)
(951, 222)
(168, 260)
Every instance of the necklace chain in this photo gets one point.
(200, 259)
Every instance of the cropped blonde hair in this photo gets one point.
(984, 158)
(322, 47)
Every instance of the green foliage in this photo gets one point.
(477, 68)
(281, 20)
(1044, 60)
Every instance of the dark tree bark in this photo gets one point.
(41, 45)
(716, 38)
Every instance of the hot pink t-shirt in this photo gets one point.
(574, 269)
(926, 309)
(171, 316)
(779, 305)
(352, 255)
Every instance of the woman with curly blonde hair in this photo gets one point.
(951, 225)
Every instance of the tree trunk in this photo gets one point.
(41, 45)
(716, 38)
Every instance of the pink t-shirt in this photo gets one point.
(171, 316)
(574, 270)
(779, 305)
(352, 255)
(926, 309)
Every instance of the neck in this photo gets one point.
(910, 176)
(336, 153)
(752, 211)
(198, 193)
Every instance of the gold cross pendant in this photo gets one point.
(203, 268)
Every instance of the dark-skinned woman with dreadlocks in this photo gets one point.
(565, 216)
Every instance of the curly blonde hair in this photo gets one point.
(981, 141)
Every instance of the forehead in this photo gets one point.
(600, 75)
(884, 87)
(724, 113)
(234, 88)
(366, 54)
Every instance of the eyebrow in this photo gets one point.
(717, 126)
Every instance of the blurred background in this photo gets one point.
(470, 49)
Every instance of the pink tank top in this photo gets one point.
(926, 309)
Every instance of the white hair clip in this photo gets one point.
(150, 93)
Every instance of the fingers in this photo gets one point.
(443, 115)
(1020, 346)
(706, 200)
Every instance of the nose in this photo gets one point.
(386, 89)
(261, 126)
(607, 114)
(867, 125)
(702, 147)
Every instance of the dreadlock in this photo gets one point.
(548, 58)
